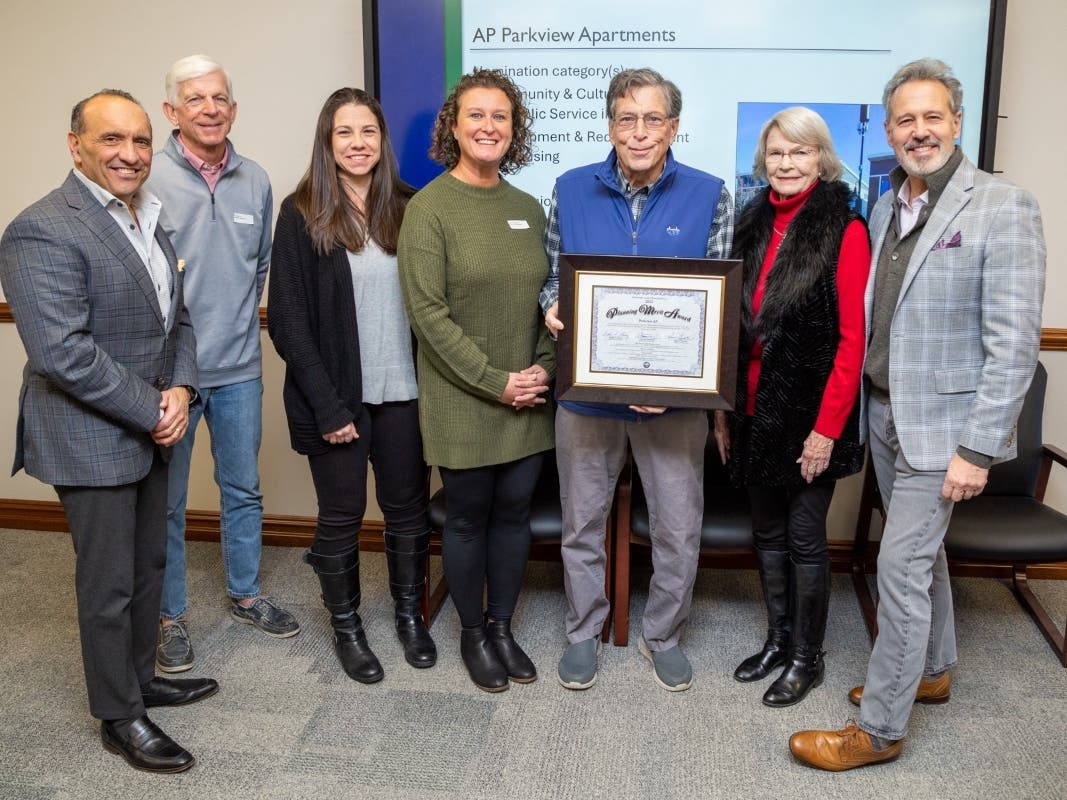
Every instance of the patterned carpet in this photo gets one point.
(289, 724)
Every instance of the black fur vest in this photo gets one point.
(798, 325)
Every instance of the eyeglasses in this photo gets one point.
(653, 122)
(798, 156)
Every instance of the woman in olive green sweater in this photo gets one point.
(471, 265)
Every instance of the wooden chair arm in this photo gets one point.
(1054, 453)
(1049, 453)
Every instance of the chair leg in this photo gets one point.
(433, 596)
(620, 531)
(860, 558)
(1024, 594)
(609, 579)
(864, 596)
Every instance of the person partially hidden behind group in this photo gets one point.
(337, 319)
(805, 260)
(471, 264)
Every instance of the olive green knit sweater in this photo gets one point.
(471, 264)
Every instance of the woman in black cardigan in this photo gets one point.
(336, 316)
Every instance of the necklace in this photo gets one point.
(780, 233)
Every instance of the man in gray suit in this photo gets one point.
(953, 331)
(96, 292)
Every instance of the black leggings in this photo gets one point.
(792, 520)
(486, 539)
(389, 438)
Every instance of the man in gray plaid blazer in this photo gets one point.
(953, 332)
(96, 292)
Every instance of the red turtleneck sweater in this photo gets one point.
(853, 265)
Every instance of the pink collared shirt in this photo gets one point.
(210, 172)
(909, 208)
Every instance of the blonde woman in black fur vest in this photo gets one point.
(806, 256)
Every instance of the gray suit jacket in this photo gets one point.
(967, 325)
(99, 354)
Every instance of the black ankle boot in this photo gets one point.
(355, 655)
(480, 659)
(805, 668)
(406, 558)
(758, 666)
(802, 673)
(339, 580)
(774, 570)
(518, 665)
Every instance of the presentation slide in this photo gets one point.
(735, 63)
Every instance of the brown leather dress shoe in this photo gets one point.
(840, 750)
(931, 691)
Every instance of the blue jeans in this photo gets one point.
(234, 416)
(916, 626)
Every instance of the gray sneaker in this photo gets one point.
(268, 616)
(174, 652)
(578, 666)
(670, 668)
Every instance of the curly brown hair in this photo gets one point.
(444, 149)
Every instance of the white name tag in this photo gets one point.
(518, 224)
(243, 219)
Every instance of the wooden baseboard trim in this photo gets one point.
(200, 526)
(293, 531)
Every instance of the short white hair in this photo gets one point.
(185, 69)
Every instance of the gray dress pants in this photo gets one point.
(669, 452)
(916, 626)
(120, 544)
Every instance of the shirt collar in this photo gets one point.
(198, 163)
(624, 185)
(935, 181)
(144, 198)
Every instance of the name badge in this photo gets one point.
(518, 224)
(243, 219)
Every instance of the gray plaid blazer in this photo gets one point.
(967, 326)
(98, 352)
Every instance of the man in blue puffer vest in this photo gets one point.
(642, 202)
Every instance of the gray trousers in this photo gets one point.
(120, 544)
(669, 451)
(916, 626)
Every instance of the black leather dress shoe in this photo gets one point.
(145, 746)
(177, 691)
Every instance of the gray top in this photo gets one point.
(384, 333)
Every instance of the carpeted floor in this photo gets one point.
(289, 724)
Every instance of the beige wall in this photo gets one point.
(284, 58)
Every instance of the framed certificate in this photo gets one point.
(648, 331)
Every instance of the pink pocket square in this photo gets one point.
(955, 241)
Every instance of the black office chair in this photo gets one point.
(1007, 525)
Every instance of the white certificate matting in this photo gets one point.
(649, 331)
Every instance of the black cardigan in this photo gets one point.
(311, 318)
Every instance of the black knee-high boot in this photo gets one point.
(805, 668)
(406, 559)
(774, 573)
(339, 579)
